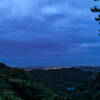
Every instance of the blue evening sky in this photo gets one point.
(48, 32)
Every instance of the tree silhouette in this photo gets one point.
(96, 9)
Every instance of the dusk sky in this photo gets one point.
(48, 32)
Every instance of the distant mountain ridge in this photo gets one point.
(90, 68)
(83, 68)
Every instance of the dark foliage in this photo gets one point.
(59, 80)
(15, 84)
(90, 90)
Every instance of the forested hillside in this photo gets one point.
(88, 91)
(61, 79)
(15, 84)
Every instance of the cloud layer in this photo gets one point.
(48, 32)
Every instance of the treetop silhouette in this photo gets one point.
(96, 9)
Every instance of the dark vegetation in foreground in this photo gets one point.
(17, 84)
(61, 79)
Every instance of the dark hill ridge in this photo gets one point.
(37, 84)
(15, 84)
(90, 68)
(2, 65)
